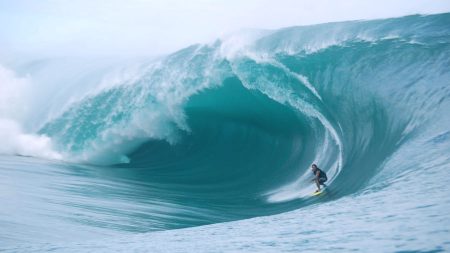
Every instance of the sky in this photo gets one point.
(152, 27)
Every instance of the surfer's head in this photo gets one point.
(314, 167)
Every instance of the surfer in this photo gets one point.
(320, 177)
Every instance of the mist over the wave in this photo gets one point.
(141, 28)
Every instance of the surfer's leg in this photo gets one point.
(317, 184)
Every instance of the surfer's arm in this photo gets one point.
(316, 176)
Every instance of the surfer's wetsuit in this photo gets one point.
(322, 176)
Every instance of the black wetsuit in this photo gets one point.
(322, 176)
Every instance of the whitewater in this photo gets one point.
(209, 149)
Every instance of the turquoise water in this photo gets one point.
(208, 149)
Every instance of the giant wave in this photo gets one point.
(227, 130)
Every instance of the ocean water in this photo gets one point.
(209, 149)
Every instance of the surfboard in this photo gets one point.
(321, 191)
(317, 193)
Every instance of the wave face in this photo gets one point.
(228, 130)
